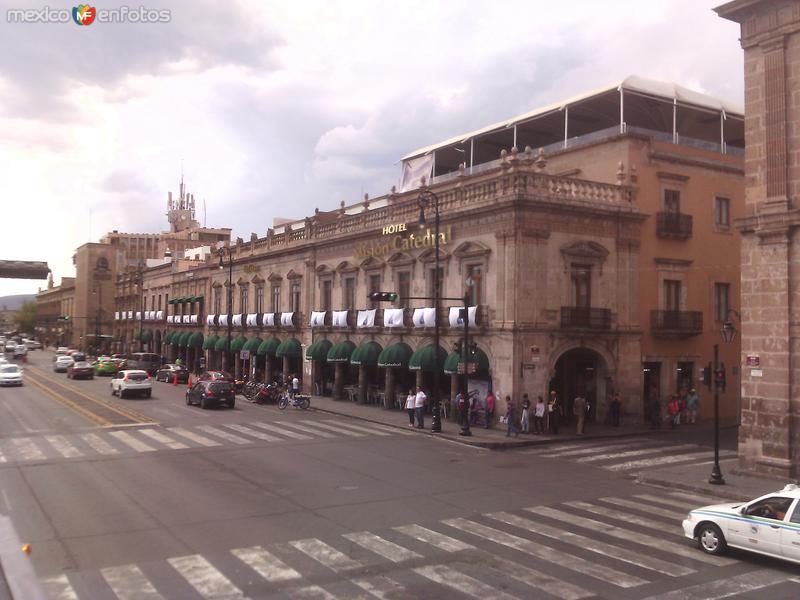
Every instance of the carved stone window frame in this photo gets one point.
(672, 269)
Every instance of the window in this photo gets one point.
(374, 286)
(217, 300)
(774, 507)
(403, 288)
(349, 293)
(672, 294)
(721, 296)
(722, 216)
(243, 299)
(295, 297)
(582, 286)
(672, 201)
(476, 290)
(276, 298)
(431, 277)
(327, 290)
(260, 299)
(159, 302)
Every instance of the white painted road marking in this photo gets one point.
(723, 588)
(346, 432)
(223, 434)
(27, 449)
(205, 578)
(378, 545)
(315, 431)
(365, 429)
(62, 446)
(656, 512)
(266, 564)
(325, 554)
(131, 441)
(279, 430)
(639, 452)
(98, 444)
(381, 587)
(129, 583)
(195, 437)
(447, 576)
(59, 588)
(253, 433)
(434, 538)
(163, 439)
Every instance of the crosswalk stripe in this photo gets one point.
(195, 437)
(336, 429)
(266, 564)
(129, 583)
(223, 434)
(661, 460)
(59, 588)
(62, 446)
(447, 576)
(639, 452)
(547, 553)
(723, 588)
(434, 538)
(378, 545)
(131, 441)
(354, 427)
(697, 498)
(325, 554)
(657, 542)
(584, 446)
(253, 433)
(163, 439)
(392, 430)
(594, 449)
(542, 581)
(657, 511)
(381, 587)
(205, 578)
(312, 592)
(2, 457)
(322, 434)
(27, 449)
(284, 432)
(98, 444)
(665, 500)
(610, 550)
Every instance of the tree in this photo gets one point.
(25, 318)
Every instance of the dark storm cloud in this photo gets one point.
(43, 62)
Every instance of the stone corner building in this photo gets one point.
(770, 35)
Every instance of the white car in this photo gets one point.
(20, 350)
(33, 345)
(63, 363)
(768, 525)
(61, 350)
(10, 374)
(129, 382)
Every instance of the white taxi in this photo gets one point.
(768, 525)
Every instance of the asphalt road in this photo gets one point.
(150, 498)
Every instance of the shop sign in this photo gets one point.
(400, 242)
(756, 373)
(753, 360)
(535, 354)
(396, 228)
(244, 354)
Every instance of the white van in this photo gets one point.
(20, 350)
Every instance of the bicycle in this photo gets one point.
(250, 389)
(299, 401)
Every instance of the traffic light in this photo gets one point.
(707, 376)
(382, 296)
(63, 318)
(720, 377)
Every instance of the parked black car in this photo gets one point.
(211, 393)
(167, 373)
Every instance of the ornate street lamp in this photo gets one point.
(728, 334)
(225, 357)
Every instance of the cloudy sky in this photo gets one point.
(275, 108)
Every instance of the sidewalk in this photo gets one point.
(692, 478)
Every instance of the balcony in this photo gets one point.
(676, 323)
(674, 225)
(577, 317)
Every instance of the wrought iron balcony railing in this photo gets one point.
(676, 323)
(585, 317)
(675, 225)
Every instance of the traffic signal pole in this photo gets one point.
(716, 472)
(465, 431)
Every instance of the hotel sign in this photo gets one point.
(394, 239)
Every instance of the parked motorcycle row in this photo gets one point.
(267, 393)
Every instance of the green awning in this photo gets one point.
(318, 351)
(252, 344)
(196, 340)
(221, 343)
(183, 342)
(269, 346)
(396, 355)
(210, 342)
(171, 301)
(146, 336)
(238, 343)
(366, 354)
(424, 359)
(168, 338)
(341, 352)
(290, 347)
(454, 359)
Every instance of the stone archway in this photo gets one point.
(587, 371)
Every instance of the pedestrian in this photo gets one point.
(553, 413)
(692, 404)
(511, 417)
(490, 401)
(538, 415)
(295, 386)
(525, 421)
(616, 408)
(674, 409)
(411, 403)
(419, 406)
(460, 407)
(579, 408)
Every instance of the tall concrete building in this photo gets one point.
(769, 439)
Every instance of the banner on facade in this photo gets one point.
(287, 319)
(366, 318)
(317, 318)
(268, 320)
(455, 316)
(252, 320)
(340, 318)
(393, 317)
(237, 320)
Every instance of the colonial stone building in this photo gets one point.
(53, 304)
(600, 263)
(769, 439)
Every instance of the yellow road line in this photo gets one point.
(125, 412)
(86, 414)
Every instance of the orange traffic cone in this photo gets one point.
(189, 383)
(175, 379)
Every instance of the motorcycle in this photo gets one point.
(299, 401)
(265, 393)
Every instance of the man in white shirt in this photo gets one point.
(419, 406)
(295, 386)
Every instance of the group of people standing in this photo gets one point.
(681, 407)
(546, 415)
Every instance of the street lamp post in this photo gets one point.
(425, 198)
(225, 357)
(728, 333)
(140, 283)
(465, 431)
(98, 291)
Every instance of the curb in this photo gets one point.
(698, 488)
(17, 569)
